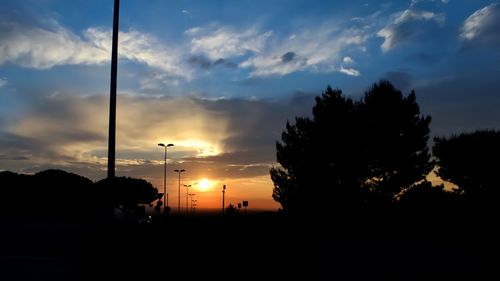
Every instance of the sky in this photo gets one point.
(220, 79)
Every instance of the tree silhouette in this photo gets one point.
(350, 152)
(396, 141)
(471, 161)
(53, 193)
(62, 195)
(425, 197)
(126, 192)
(231, 210)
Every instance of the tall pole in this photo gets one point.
(179, 198)
(165, 181)
(165, 177)
(112, 93)
(223, 197)
(187, 197)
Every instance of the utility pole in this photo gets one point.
(223, 197)
(112, 93)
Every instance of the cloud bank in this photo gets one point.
(405, 26)
(44, 48)
(482, 26)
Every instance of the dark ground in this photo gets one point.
(252, 247)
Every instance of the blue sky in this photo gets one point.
(220, 78)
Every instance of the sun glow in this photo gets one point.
(204, 185)
(201, 148)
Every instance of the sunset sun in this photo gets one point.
(204, 184)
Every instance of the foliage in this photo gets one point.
(425, 196)
(471, 161)
(231, 210)
(351, 153)
(395, 139)
(59, 194)
(50, 192)
(126, 192)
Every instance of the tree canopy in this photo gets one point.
(352, 152)
(471, 161)
(126, 192)
(59, 194)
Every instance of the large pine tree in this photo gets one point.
(352, 152)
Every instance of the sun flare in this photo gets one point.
(204, 184)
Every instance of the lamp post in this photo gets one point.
(193, 206)
(187, 195)
(192, 194)
(179, 202)
(165, 194)
(223, 198)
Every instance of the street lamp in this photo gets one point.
(165, 177)
(193, 206)
(179, 202)
(187, 195)
(192, 194)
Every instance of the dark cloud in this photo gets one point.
(205, 63)
(70, 132)
(426, 58)
(288, 57)
(20, 152)
(200, 62)
(257, 124)
(463, 103)
(239, 158)
(225, 63)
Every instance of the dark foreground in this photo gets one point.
(253, 247)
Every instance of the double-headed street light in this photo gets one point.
(165, 194)
(187, 195)
(179, 202)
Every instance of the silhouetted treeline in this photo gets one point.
(372, 156)
(472, 162)
(62, 195)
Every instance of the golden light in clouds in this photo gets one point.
(205, 184)
(195, 148)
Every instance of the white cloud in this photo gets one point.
(484, 22)
(317, 50)
(3, 81)
(40, 48)
(193, 30)
(404, 25)
(225, 42)
(349, 71)
(143, 48)
(410, 15)
(348, 60)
